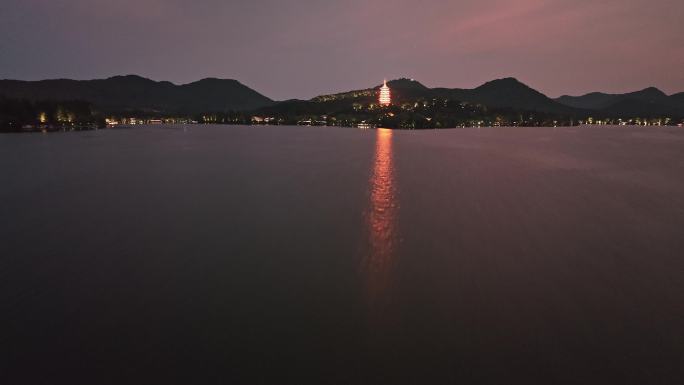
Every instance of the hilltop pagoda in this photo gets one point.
(385, 98)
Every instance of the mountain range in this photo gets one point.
(511, 93)
(501, 93)
(134, 93)
(647, 101)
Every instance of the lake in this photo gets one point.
(320, 255)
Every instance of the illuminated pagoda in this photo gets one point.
(385, 96)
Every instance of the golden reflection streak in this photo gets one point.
(382, 217)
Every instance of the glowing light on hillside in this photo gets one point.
(385, 95)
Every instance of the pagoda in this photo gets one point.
(385, 95)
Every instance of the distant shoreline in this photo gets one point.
(56, 130)
(409, 105)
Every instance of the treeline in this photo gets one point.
(453, 113)
(23, 115)
(18, 115)
(418, 114)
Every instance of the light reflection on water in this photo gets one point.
(381, 222)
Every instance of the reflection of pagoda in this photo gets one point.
(385, 96)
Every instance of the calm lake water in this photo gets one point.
(304, 255)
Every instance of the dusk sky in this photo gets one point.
(302, 48)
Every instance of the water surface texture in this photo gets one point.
(300, 255)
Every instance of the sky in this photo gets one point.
(302, 48)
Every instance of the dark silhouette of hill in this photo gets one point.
(591, 101)
(124, 93)
(507, 93)
(120, 94)
(502, 93)
(599, 100)
(408, 89)
(403, 90)
(630, 107)
(647, 102)
(678, 99)
(513, 94)
(415, 106)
